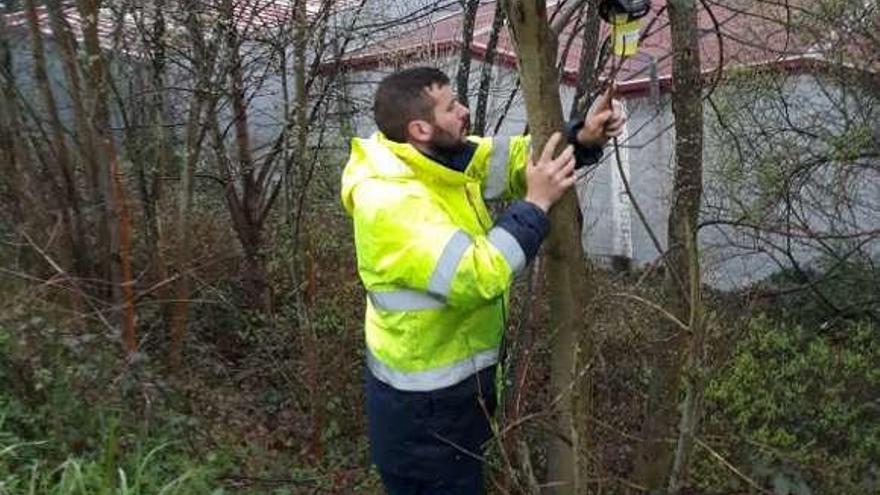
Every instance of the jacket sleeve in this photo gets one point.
(411, 256)
(583, 155)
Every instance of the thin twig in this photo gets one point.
(655, 306)
(61, 272)
(733, 468)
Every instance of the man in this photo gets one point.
(437, 270)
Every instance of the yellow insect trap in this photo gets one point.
(624, 15)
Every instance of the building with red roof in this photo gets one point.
(737, 37)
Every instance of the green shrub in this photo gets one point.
(61, 431)
(159, 470)
(803, 407)
(825, 291)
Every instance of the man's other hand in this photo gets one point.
(604, 121)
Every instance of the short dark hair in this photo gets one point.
(401, 98)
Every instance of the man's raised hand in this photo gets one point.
(604, 121)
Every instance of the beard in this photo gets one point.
(447, 143)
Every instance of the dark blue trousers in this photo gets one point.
(398, 485)
(431, 443)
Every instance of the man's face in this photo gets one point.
(451, 119)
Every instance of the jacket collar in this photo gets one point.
(427, 166)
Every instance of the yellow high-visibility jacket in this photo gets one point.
(437, 273)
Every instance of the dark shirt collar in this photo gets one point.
(456, 160)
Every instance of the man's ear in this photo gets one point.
(420, 130)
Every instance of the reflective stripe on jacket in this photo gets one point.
(437, 273)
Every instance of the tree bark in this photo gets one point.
(203, 66)
(466, 55)
(75, 252)
(479, 126)
(11, 150)
(567, 276)
(694, 376)
(180, 307)
(110, 180)
(86, 144)
(682, 280)
(587, 70)
(246, 209)
(162, 156)
(65, 42)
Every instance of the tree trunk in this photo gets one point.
(11, 150)
(566, 281)
(587, 70)
(465, 55)
(195, 131)
(152, 185)
(110, 180)
(86, 142)
(479, 126)
(65, 42)
(682, 281)
(248, 221)
(255, 279)
(182, 291)
(694, 376)
(75, 254)
(124, 288)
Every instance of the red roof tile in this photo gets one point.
(753, 32)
